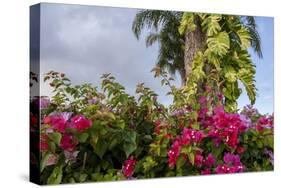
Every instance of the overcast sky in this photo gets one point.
(86, 41)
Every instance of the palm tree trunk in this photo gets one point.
(194, 42)
(183, 77)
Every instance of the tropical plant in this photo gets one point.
(213, 43)
(163, 27)
(91, 134)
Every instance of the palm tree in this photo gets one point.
(163, 27)
(214, 40)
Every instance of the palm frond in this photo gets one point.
(250, 24)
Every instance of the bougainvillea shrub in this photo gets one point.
(102, 133)
(89, 133)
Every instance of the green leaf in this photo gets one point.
(83, 177)
(129, 144)
(245, 38)
(230, 74)
(129, 148)
(83, 137)
(211, 24)
(180, 162)
(44, 160)
(191, 158)
(187, 23)
(100, 147)
(56, 176)
(195, 126)
(56, 137)
(248, 81)
(270, 142)
(219, 43)
(259, 144)
(147, 138)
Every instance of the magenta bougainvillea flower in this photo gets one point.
(202, 100)
(188, 136)
(198, 160)
(44, 102)
(226, 127)
(129, 166)
(80, 123)
(206, 172)
(209, 161)
(231, 164)
(191, 136)
(58, 121)
(174, 153)
(68, 142)
(264, 122)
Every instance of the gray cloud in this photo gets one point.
(87, 41)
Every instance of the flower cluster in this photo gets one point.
(129, 166)
(68, 142)
(174, 153)
(60, 122)
(231, 164)
(188, 136)
(80, 123)
(264, 122)
(226, 127)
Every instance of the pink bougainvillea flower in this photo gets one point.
(191, 136)
(226, 127)
(198, 160)
(264, 123)
(226, 169)
(202, 100)
(231, 164)
(47, 120)
(231, 159)
(80, 123)
(240, 149)
(44, 102)
(206, 172)
(174, 153)
(209, 161)
(58, 121)
(220, 96)
(68, 142)
(129, 166)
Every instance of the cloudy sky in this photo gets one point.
(86, 41)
